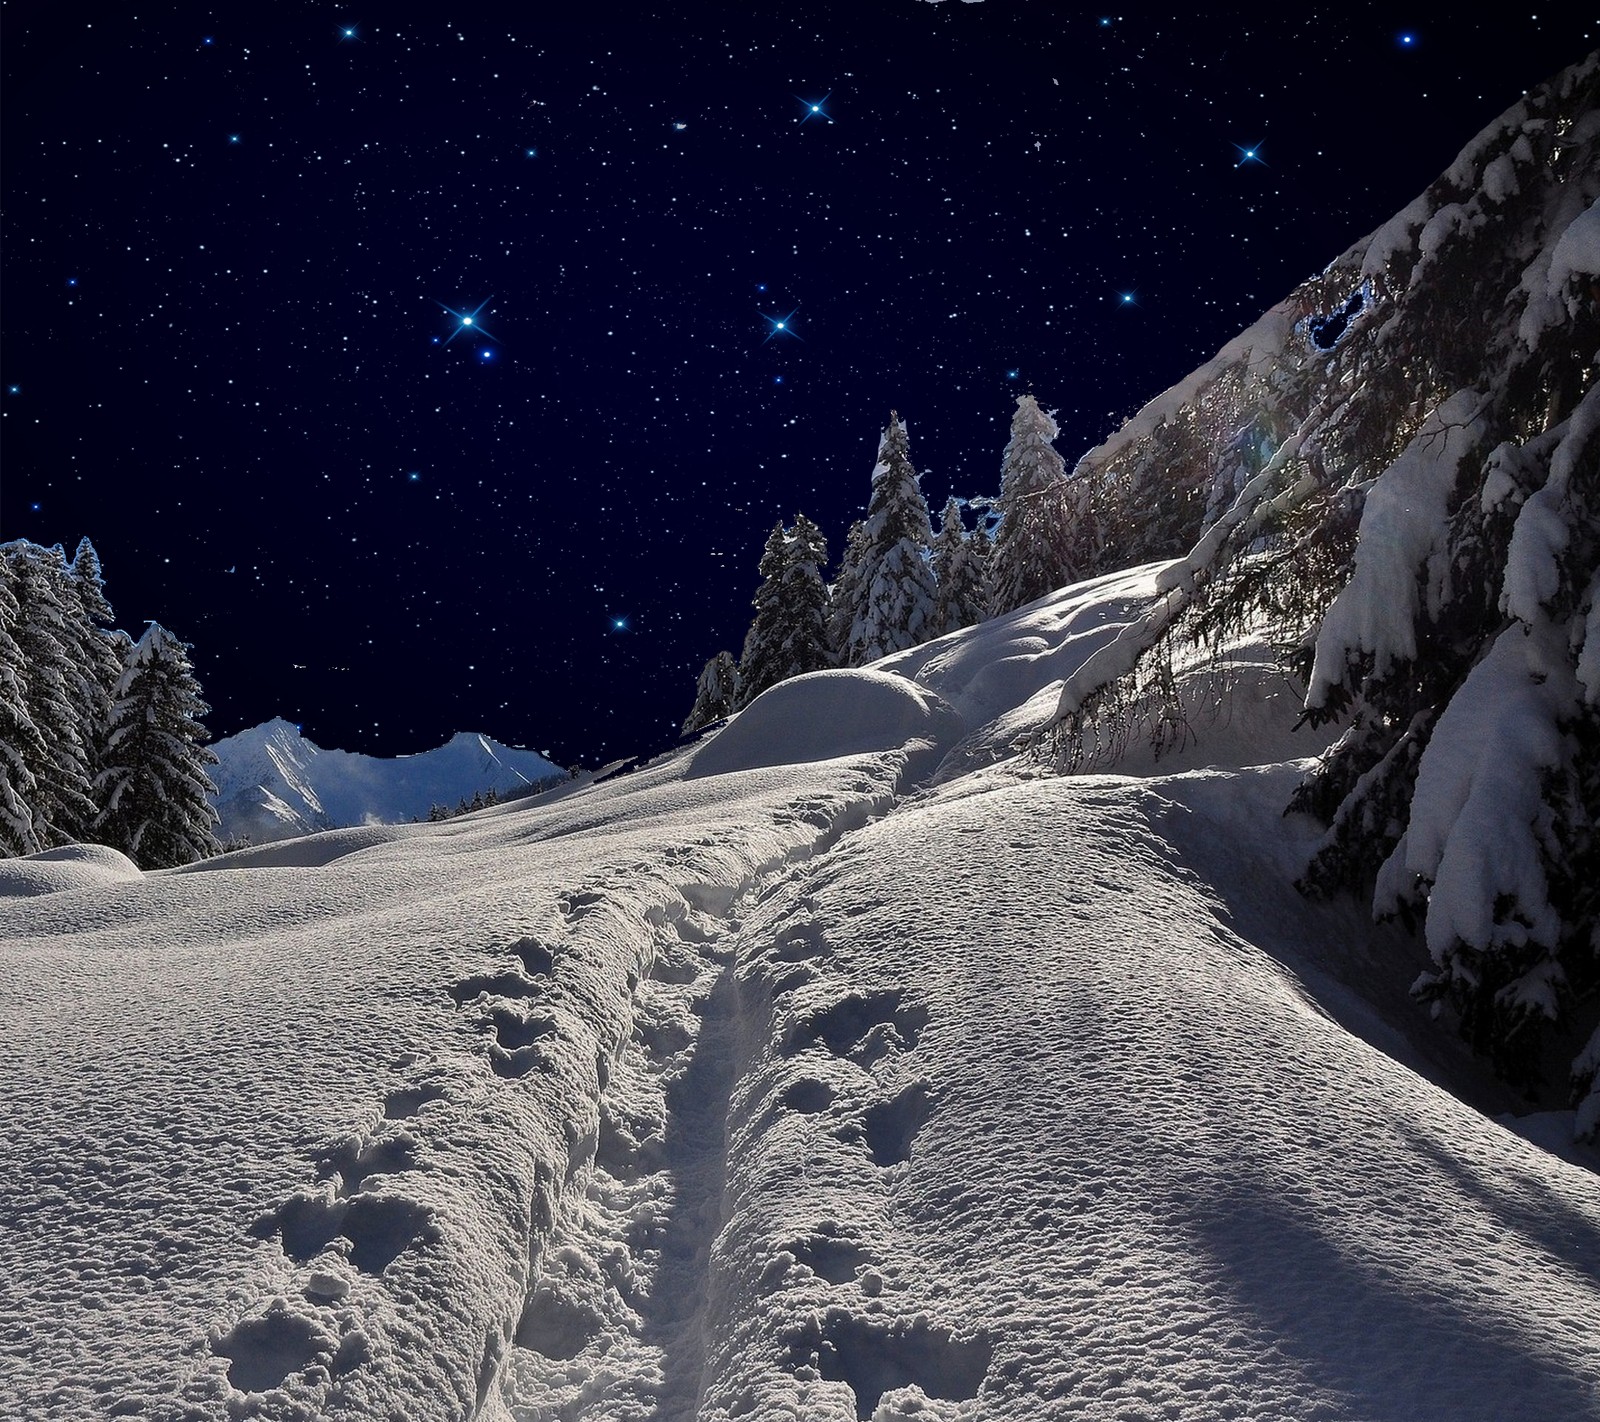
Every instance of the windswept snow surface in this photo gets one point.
(762, 1083)
(272, 783)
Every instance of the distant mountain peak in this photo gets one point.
(273, 783)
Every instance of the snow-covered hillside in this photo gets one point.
(841, 1066)
(274, 784)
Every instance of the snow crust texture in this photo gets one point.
(763, 1084)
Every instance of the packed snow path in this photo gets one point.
(747, 1087)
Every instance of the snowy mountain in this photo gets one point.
(856, 1062)
(274, 784)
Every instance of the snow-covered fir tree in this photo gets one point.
(49, 639)
(101, 651)
(1045, 539)
(21, 746)
(156, 796)
(789, 634)
(714, 693)
(1424, 541)
(960, 570)
(897, 598)
(847, 595)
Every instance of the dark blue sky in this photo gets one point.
(230, 236)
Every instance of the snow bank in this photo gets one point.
(59, 871)
(826, 715)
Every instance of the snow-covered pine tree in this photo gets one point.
(789, 635)
(54, 686)
(155, 792)
(1426, 538)
(847, 595)
(961, 572)
(1045, 539)
(898, 596)
(714, 693)
(21, 746)
(100, 651)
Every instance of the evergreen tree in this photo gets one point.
(715, 692)
(1424, 540)
(54, 687)
(847, 596)
(898, 594)
(21, 746)
(1044, 540)
(156, 795)
(789, 635)
(100, 651)
(961, 572)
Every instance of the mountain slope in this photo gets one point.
(274, 784)
(753, 1084)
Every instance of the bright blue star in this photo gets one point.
(207, 40)
(1127, 298)
(348, 32)
(1252, 154)
(485, 352)
(619, 624)
(72, 281)
(1406, 40)
(1012, 374)
(468, 321)
(777, 380)
(414, 477)
(815, 108)
(1105, 22)
(233, 138)
(761, 286)
(781, 326)
(530, 152)
(13, 390)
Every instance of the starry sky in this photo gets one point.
(241, 244)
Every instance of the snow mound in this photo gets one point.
(59, 871)
(272, 783)
(825, 716)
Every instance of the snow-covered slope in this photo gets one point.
(763, 1083)
(274, 784)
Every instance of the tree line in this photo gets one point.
(898, 584)
(100, 734)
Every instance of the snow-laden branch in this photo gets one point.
(1176, 584)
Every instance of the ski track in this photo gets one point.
(610, 1300)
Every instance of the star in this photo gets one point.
(815, 108)
(1252, 154)
(347, 32)
(781, 326)
(1127, 298)
(468, 321)
(1406, 40)
(619, 624)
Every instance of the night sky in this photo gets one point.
(234, 238)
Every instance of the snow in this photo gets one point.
(1402, 527)
(828, 1069)
(273, 783)
(1476, 814)
(59, 871)
(1577, 252)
